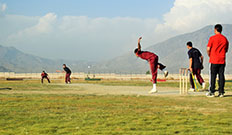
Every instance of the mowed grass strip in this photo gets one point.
(89, 114)
(35, 85)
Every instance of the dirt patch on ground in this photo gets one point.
(96, 89)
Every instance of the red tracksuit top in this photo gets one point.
(146, 55)
(219, 46)
(44, 74)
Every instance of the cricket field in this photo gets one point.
(110, 107)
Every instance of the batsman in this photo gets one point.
(153, 61)
(195, 66)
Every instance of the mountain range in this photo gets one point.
(171, 52)
(14, 60)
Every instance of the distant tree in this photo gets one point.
(148, 72)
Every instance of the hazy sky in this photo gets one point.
(101, 29)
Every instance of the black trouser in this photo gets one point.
(45, 78)
(161, 66)
(214, 70)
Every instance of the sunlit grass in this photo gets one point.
(34, 114)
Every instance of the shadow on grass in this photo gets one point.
(5, 88)
(227, 95)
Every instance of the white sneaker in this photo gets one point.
(221, 95)
(165, 74)
(209, 94)
(203, 85)
(192, 90)
(153, 91)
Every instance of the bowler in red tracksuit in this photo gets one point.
(44, 75)
(153, 61)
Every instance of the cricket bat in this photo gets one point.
(195, 82)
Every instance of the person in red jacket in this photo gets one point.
(216, 49)
(44, 75)
(153, 61)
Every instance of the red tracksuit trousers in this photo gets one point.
(67, 78)
(196, 72)
(154, 67)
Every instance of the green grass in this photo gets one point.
(73, 114)
(34, 85)
(35, 114)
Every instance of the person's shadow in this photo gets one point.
(227, 95)
(5, 88)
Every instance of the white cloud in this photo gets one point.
(11, 24)
(84, 37)
(45, 24)
(189, 15)
(31, 37)
(81, 37)
(3, 8)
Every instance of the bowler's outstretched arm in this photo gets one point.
(139, 45)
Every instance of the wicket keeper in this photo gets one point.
(44, 75)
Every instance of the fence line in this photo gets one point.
(97, 75)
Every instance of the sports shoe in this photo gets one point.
(153, 91)
(192, 90)
(209, 94)
(203, 85)
(221, 95)
(165, 74)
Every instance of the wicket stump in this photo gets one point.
(183, 77)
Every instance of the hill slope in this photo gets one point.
(14, 60)
(172, 52)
